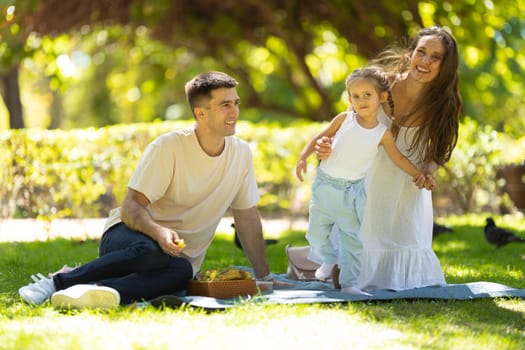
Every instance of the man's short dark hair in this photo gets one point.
(200, 87)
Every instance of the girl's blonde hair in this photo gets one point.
(377, 76)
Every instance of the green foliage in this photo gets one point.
(78, 173)
(13, 48)
(514, 152)
(289, 59)
(84, 172)
(469, 178)
(275, 155)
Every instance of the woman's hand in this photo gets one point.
(426, 181)
(419, 180)
(430, 182)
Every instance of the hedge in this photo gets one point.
(84, 172)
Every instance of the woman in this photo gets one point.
(423, 114)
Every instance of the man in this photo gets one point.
(184, 183)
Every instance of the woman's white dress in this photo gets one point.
(397, 226)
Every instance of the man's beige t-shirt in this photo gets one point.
(190, 191)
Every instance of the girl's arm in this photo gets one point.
(399, 159)
(329, 131)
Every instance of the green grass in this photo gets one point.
(423, 324)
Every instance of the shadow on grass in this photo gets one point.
(478, 317)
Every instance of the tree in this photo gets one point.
(305, 48)
(12, 51)
(224, 30)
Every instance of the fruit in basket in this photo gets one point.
(224, 274)
(206, 275)
(233, 274)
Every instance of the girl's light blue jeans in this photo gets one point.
(336, 208)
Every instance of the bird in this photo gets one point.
(499, 236)
(238, 242)
(438, 229)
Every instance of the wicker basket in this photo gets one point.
(222, 289)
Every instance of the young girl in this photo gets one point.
(338, 194)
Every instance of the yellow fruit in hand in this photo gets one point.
(181, 243)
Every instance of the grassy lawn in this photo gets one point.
(426, 324)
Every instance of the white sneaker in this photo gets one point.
(86, 296)
(354, 291)
(39, 291)
(324, 272)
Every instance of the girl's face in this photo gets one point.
(364, 97)
(425, 61)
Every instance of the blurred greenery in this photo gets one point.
(85, 65)
(84, 172)
(92, 68)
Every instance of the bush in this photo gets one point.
(84, 172)
(468, 181)
(78, 173)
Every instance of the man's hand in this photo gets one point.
(170, 242)
(136, 217)
(323, 147)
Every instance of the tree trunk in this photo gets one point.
(514, 176)
(56, 110)
(11, 96)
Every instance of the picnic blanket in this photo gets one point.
(323, 292)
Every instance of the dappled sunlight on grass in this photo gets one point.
(451, 246)
(397, 324)
(466, 256)
(486, 271)
(288, 327)
(516, 220)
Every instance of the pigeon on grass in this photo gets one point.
(499, 236)
(438, 229)
(238, 242)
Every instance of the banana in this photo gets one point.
(246, 275)
(207, 275)
(225, 274)
(230, 274)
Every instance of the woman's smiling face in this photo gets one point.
(426, 59)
